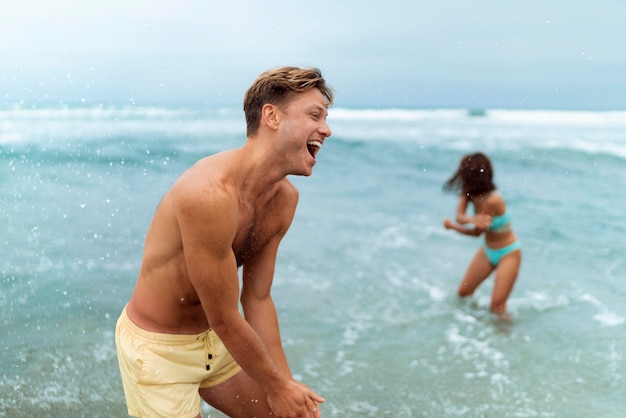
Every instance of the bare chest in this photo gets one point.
(254, 233)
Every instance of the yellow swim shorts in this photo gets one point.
(162, 373)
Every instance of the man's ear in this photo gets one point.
(270, 114)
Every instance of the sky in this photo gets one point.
(479, 54)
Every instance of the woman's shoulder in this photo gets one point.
(496, 203)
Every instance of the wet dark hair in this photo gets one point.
(473, 177)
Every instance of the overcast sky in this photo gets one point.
(551, 54)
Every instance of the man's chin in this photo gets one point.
(303, 174)
(306, 172)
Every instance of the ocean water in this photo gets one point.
(366, 278)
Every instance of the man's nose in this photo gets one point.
(326, 130)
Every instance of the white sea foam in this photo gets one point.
(590, 131)
(49, 124)
(605, 316)
(394, 114)
(560, 118)
(471, 348)
(533, 117)
(608, 319)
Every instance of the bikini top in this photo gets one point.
(500, 223)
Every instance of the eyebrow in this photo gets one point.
(322, 109)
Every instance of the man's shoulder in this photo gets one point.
(287, 191)
(192, 193)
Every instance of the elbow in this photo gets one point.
(477, 232)
(219, 324)
(462, 218)
(223, 322)
(226, 330)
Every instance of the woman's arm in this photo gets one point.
(474, 232)
(461, 211)
(480, 221)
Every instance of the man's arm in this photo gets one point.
(256, 299)
(258, 276)
(208, 227)
(258, 305)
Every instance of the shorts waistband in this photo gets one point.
(157, 336)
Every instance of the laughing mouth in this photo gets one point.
(313, 147)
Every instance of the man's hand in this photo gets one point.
(295, 400)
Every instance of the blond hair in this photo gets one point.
(277, 87)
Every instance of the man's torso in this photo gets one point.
(164, 299)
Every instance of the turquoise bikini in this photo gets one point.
(500, 223)
(495, 254)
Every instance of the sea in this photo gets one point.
(366, 278)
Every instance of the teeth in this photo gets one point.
(317, 144)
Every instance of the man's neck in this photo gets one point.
(255, 170)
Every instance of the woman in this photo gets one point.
(501, 251)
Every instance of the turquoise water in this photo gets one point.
(366, 278)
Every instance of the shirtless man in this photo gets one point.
(182, 336)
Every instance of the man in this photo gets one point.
(181, 336)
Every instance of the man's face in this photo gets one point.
(304, 129)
